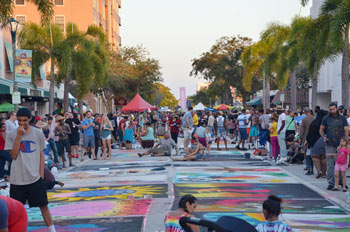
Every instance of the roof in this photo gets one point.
(138, 104)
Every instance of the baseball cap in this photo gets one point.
(38, 117)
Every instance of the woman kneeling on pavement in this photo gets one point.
(195, 152)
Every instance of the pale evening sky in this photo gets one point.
(175, 32)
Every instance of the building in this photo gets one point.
(329, 79)
(202, 85)
(83, 13)
(104, 13)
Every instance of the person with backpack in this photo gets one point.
(221, 131)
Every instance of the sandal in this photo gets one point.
(335, 189)
(344, 190)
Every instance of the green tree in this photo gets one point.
(167, 98)
(222, 66)
(45, 8)
(132, 71)
(262, 58)
(338, 14)
(44, 41)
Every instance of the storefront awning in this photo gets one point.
(9, 53)
(254, 102)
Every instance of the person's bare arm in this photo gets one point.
(302, 129)
(42, 164)
(15, 149)
(282, 126)
(68, 130)
(322, 128)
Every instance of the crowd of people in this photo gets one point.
(316, 138)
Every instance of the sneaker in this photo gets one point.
(244, 149)
(77, 155)
(73, 156)
(330, 187)
(238, 148)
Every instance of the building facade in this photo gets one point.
(329, 79)
(103, 13)
(83, 13)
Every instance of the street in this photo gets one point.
(128, 193)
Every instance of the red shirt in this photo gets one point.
(174, 126)
(120, 124)
(17, 215)
(2, 142)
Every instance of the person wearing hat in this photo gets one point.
(342, 110)
(62, 130)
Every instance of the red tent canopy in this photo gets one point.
(138, 104)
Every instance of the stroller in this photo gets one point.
(223, 224)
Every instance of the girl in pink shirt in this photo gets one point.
(341, 164)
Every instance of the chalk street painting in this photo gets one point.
(231, 175)
(245, 190)
(317, 206)
(103, 193)
(299, 222)
(93, 209)
(124, 224)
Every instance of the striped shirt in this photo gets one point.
(275, 226)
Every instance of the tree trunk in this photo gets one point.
(52, 85)
(66, 91)
(314, 89)
(80, 106)
(293, 90)
(266, 91)
(267, 86)
(52, 76)
(345, 70)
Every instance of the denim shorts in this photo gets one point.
(221, 132)
(244, 134)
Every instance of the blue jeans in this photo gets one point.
(54, 150)
(4, 156)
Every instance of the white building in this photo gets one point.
(329, 79)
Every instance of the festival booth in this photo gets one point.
(138, 104)
(222, 107)
(199, 107)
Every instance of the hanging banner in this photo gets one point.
(8, 47)
(183, 98)
(23, 66)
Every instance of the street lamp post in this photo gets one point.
(13, 24)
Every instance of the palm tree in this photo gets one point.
(45, 7)
(44, 41)
(263, 57)
(338, 13)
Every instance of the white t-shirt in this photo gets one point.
(348, 119)
(281, 118)
(220, 120)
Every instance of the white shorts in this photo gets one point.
(188, 133)
(108, 137)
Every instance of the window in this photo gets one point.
(19, 2)
(59, 20)
(21, 19)
(59, 2)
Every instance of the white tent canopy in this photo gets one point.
(199, 106)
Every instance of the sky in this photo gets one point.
(177, 31)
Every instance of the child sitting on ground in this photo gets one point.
(295, 153)
(272, 209)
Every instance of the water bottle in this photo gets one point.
(348, 197)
